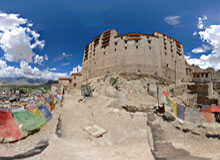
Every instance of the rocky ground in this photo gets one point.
(133, 130)
(126, 136)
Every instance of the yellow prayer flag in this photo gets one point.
(37, 112)
(174, 107)
(55, 99)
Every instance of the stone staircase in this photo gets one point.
(164, 150)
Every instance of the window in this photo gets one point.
(149, 48)
(149, 41)
(125, 41)
(165, 43)
(165, 48)
(116, 43)
(136, 47)
(207, 75)
(136, 41)
(171, 50)
(202, 75)
(115, 49)
(197, 75)
(104, 53)
(125, 47)
(194, 76)
(165, 53)
(167, 65)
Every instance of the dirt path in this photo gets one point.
(126, 136)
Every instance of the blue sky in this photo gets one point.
(63, 28)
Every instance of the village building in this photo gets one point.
(76, 79)
(65, 81)
(157, 54)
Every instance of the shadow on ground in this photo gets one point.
(40, 147)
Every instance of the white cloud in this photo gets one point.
(200, 22)
(172, 20)
(63, 56)
(38, 59)
(202, 49)
(211, 36)
(46, 57)
(76, 69)
(53, 69)
(17, 39)
(65, 64)
(195, 33)
(27, 71)
(3, 64)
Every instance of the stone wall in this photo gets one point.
(199, 89)
(156, 54)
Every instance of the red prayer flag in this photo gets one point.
(51, 105)
(165, 93)
(8, 127)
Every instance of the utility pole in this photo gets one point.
(175, 73)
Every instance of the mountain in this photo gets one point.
(23, 81)
(51, 82)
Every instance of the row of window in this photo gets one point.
(149, 41)
(202, 75)
(125, 48)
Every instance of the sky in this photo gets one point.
(46, 38)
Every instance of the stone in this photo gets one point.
(130, 108)
(95, 131)
(212, 135)
(186, 130)
(152, 90)
(168, 117)
(179, 127)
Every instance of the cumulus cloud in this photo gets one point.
(53, 69)
(38, 59)
(76, 69)
(200, 23)
(27, 71)
(202, 49)
(211, 36)
(172, 20)
(17, 39)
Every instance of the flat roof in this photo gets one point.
(65, 78)
(76, 74)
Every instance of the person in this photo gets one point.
(161, 109)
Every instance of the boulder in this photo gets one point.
(212, 134)
(152, 90)
(197, 131)
(130, 108)
(168, 117)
